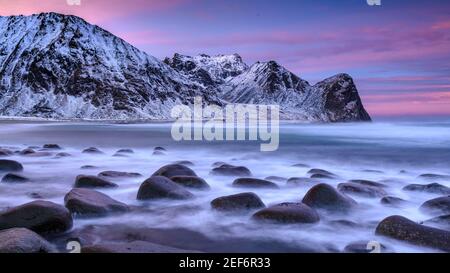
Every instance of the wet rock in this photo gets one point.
(319, 173)
(125, 151)
(161, 149)
(63, 155)
(27, 151)
(373, 171)
(158, 153)
(22, 240)
(88, 167)
(288, 213)
(442, 222)
(392, 201)
(10, 166)
(218, 164)
(437, 206)
(324, 196)
(403, 229)
(5, 152)
(429, 188)
(14, 178)
(184, 162)
(431, 176)
(157, 187)
(230, 170)
(114, 174)
(365, 247)
(35, 195)
(194, 182)
(92, 150)
(52, 147)
(174, 170)
(368, 183)
(90, 181)
(238, 202)
(300, 181)
(276, 178)
(39, 216)
(133, 247)
(254, 183)
(300, 165)
(361, 190)
(87, 202)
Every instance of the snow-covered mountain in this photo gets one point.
(59, 66)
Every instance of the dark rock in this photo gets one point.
(238, 202)
(133, 247)
(10, 166)
(22, 240)
(403, 229)
(361, 190)
(288, 213)
(184, 162)
(319, 173)
(92, 150)
(437, 206)
(364, 247)
(276, 178)
(324, 196)
(63, 154)
(120, 155)
(300, 165)
(125, 151)
(90, 181)
(114, 174)
(14, 178)
(373, 171)
(5, 152)
(300, 181)
(218, 164)
(88, 167)
(35, 195)
(39, 216)
(161, 149)
(432, 176)
(52, 146)
(230, 170)
(321, 176)
(87, 202)
(157, 187)
(174, 170)
(158, 153)
(368, 183)
(27, 151)
(254, 183)
(190, 182)
(392, 201)
(442, 222)
(429, 188)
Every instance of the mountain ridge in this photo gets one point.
(60, 66)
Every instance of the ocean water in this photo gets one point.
(394, 153)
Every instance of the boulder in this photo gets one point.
(63, 154)
(125, 151)
(392, 201)
(276, 178)
(324, 196)
(114, 174)
(161, 149)
(14, 178)
(22, 240)
(437, 206)
(5, 152)
(319, 173)
(442, 222)
(184, 162)
(368, 183)
(237, 202)
(254, 183)
(90, 181)
(39, 216)
(92, 150)
(86, 202)
(157, 187)
(27, 151)
(361, 190)
(230, 170)
(158, 153)
(194, 182)
(301, 181)
(403, 229)
(174, 170)
(288, 213)
(432, 176)
(300, 165)
(435, 188)
(52, 146)
(10, 166)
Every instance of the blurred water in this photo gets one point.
(401, 151)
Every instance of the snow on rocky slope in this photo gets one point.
(60, 66)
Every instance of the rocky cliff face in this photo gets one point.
(58, 66)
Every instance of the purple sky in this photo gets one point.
(398, 53)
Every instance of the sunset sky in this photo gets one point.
(398, 53)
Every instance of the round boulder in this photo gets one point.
(361, 190)
(435, 188)
(157, 187)
(194, 182)
(90, 181)
(86, 202)
(437, 206)
(254, 183)
(230, 170)
(174, 170)
(288, 213)
(38, 216)
(114, 174)
(238, 202)
(10, 166)
(22, 240)
(92, 150)
(14, 178)
(324, 196)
